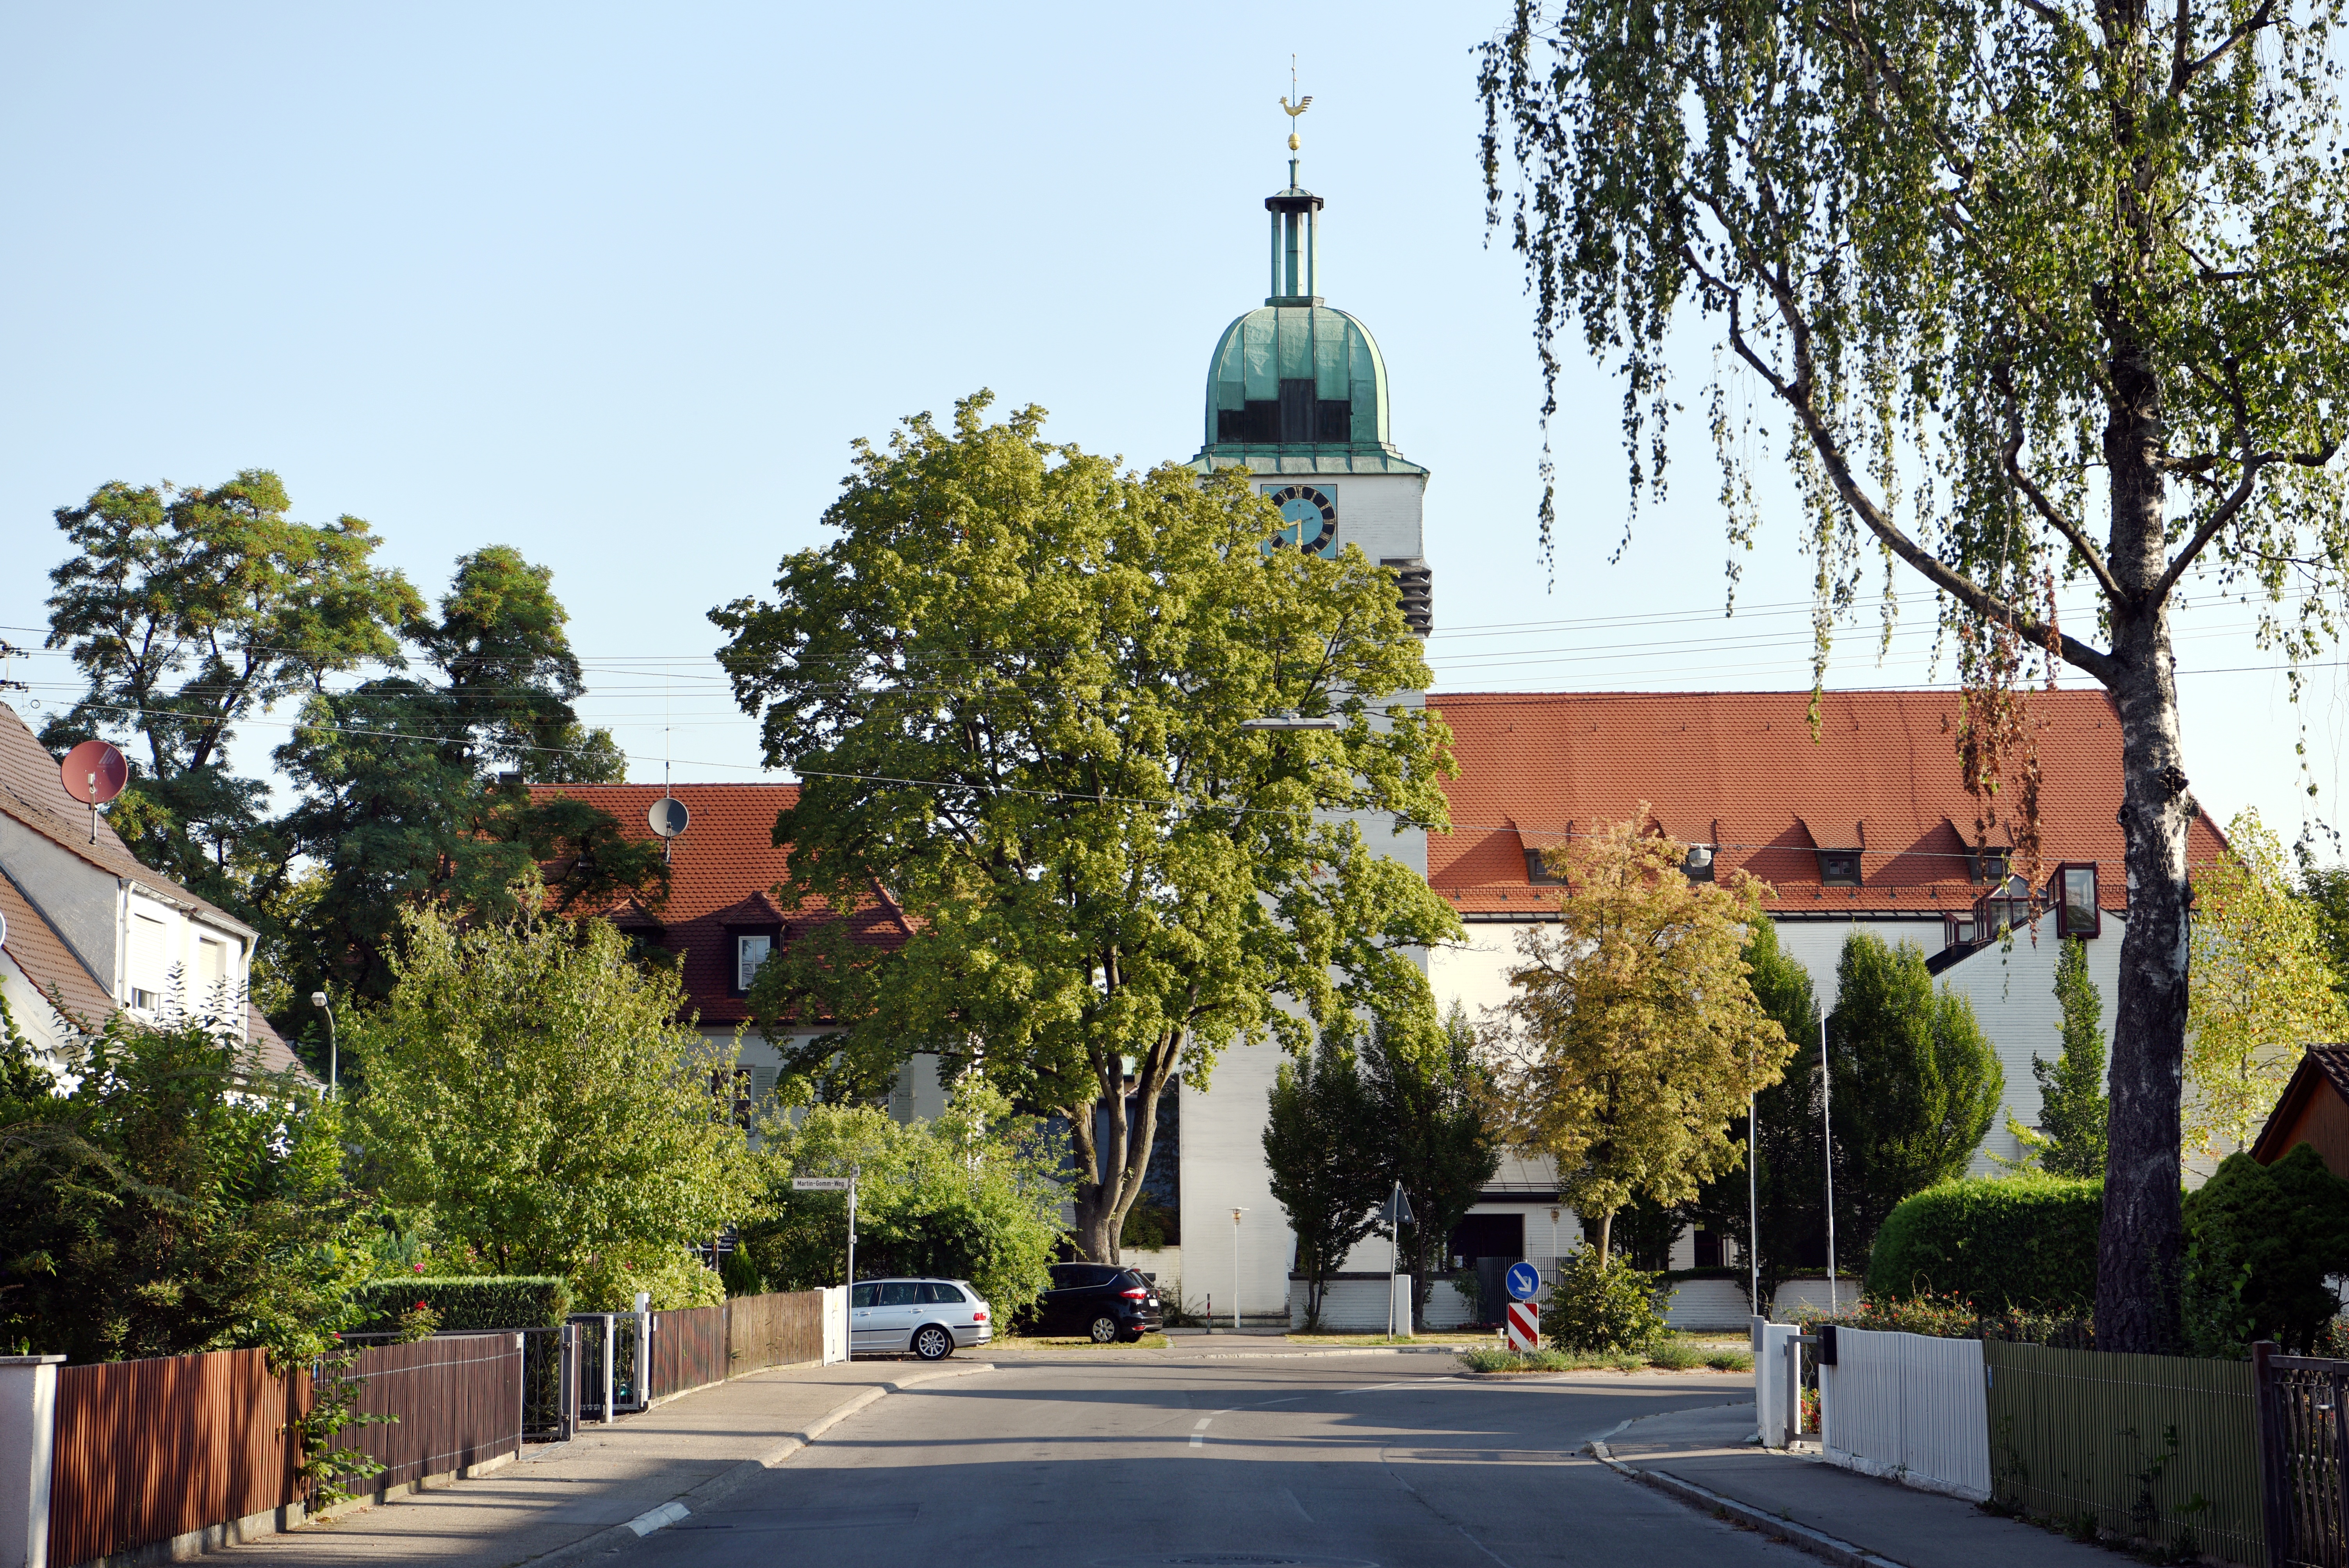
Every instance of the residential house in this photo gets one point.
(91, 931)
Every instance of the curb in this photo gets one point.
(613, 1537)
(1801, 1537)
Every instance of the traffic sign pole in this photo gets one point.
(837, 1184)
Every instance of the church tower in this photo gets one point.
(1297, 393)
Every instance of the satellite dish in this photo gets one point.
(94, 772)
(669, 817)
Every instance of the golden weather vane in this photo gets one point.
(1298, 108)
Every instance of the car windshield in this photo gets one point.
(897, 1293)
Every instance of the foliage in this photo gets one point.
(1671, 1354)
(674, 1276)
(2326, 891)
(2263, 987)
(1633, 1036)
(1916, 1083)
(1788, 1177)
(2001, 270)
(399, 802)
(2260, 1241)
(169, 1196)
(1950, 1315)
(536, 1094)
(2013, 1242)
(973, 1194)
(187, 611)
(466, 1301)
(2070, 1138)
(1013, 687)
(1427, 1092)
(1323, 1160)
(1602, 1303)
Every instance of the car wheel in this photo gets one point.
(933, 1343)
(1105, 1329)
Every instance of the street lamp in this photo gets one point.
(1288, 722)
(318, 1000)
(1236, 1268)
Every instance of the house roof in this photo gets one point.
(1740, 770)
(40, 951)
(33, 793)
(723, 876)
(2322, 1069)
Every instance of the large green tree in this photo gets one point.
(401, 802)
(1914, 1086)
(2038, 294)
(1322, 1155)
(535, 1099)
(1013, 687)
(187, 611)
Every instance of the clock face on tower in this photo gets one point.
(1309, 515)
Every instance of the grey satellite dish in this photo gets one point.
(669, 817)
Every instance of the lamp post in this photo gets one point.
(318, 1000)
(1236, 1268)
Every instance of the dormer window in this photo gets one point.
(1697, 865)
(751, 950)
(2076, 910)
(1839, 868)
(1987, 864)
(1537, 869)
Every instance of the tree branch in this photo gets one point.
(2011, 454)
(1964, 590)
(2183, 72)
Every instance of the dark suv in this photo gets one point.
(1100, 1301)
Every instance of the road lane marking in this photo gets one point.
(1201, 1424)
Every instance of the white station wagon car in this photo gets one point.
(930, 1317)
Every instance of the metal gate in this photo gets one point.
(2303, 1458)
(611, 1364)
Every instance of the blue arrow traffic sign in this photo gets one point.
(1525, 1282)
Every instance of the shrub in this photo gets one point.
(1675, 1356)
(2261, 1240)
(673, 1278)
(1730, 1360)
(465, 1301)
(1603, 1305)
(2026, 1241)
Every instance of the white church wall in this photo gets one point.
(1380, 514)
(1222, 1168)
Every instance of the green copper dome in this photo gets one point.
(1294, 386)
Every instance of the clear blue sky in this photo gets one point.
(618, 285)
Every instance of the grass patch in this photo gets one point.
(1672, 1356)
(1073, 1342)
(1438, 1338)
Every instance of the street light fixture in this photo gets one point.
(1290, 722)
(1236, 1268)
(318, 1000)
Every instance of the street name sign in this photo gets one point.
(819, 1183)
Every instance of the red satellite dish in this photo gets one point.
(94, 772)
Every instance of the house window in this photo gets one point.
(1537, 869)
(1958, 930)
(1839, 868)
(1986, 866)
(731, 1091)
(2008, 910)
(750, 952)
(2076, 913)
(1708, 1249)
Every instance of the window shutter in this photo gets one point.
(147, 962)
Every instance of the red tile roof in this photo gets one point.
(1739, 769)
(40, 951)
(723, 873)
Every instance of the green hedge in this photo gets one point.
(466, 1301)
(1996, 1241)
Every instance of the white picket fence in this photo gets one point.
(1906, 1407)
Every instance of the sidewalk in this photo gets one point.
(563, 1501)
(1831, 1510)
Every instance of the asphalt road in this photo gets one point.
(1384, 1460)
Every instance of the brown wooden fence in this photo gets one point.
(2157, 1446)
(688, 1350)
(458, 1401)
(147, 1451)
(2303, 1410)
(782, 1329)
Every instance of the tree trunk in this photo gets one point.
(2139, 1250)
(1606, 1234)
(1101, 1206)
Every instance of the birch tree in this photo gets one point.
(2032, 296)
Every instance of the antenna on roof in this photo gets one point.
(669, 816)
